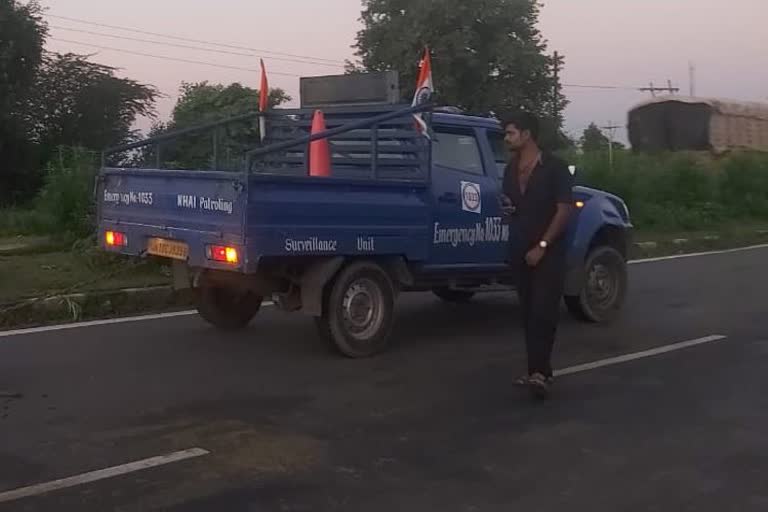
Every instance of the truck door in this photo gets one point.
(467, 229)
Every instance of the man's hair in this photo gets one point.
(522, 120)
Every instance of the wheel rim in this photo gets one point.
(602, 286)
(363, 309)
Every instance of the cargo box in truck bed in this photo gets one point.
(271, 207)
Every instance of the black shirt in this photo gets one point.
(550, 183)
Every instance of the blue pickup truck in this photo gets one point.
(401, 212)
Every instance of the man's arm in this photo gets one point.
(564, 192)
(559, 222)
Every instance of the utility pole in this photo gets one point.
(692, 79)
(611, 127)
(653, 90)
(671, 89)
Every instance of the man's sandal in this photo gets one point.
(539, 385)
(523, 381)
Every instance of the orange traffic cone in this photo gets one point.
(319, 150)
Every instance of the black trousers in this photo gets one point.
(540, 290)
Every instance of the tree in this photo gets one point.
(48, 101)
(201, 103)
(487, 55)
(22, 35)
(80, 103)
(593, 139)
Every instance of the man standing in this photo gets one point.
(537, 202)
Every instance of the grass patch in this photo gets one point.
(36, 275)
(18, 221)
(32, 244)
(725, 231)
(712, 238)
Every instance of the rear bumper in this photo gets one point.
(138, 236)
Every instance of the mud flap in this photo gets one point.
(313, 282)
(182, 278)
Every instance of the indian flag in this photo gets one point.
(424, 90)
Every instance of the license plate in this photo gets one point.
(168, 248)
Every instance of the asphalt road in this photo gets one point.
(434, 424)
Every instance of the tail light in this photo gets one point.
(115, 239)
(223, 254)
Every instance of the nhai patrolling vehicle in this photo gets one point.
(393, 211)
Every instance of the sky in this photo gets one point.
(622, 43)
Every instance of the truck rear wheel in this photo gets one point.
(605, 287)
(358, 311)
(226, 308)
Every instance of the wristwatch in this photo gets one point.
(543, 244)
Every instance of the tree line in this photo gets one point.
(488, 56)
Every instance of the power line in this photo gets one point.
(190, 40)
(205, 63)
(187, 61)
(303, 59)
(609, 87)
(177, 45)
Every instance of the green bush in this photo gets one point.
(64, 207)
(681, 190)
(744, 185)
(67, 194)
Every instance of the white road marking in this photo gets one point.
(638, 355)
(697, 254)
(35, 330)
(109, 321)
(101, 474)
(93, 323)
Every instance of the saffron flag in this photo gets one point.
(263, 89)
(263, 101)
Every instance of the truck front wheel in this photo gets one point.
(358, 311)
(226, 308)
(605, 287)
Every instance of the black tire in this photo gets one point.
(605, 287)
(358, 311)
(450, 295)
(225, 308)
